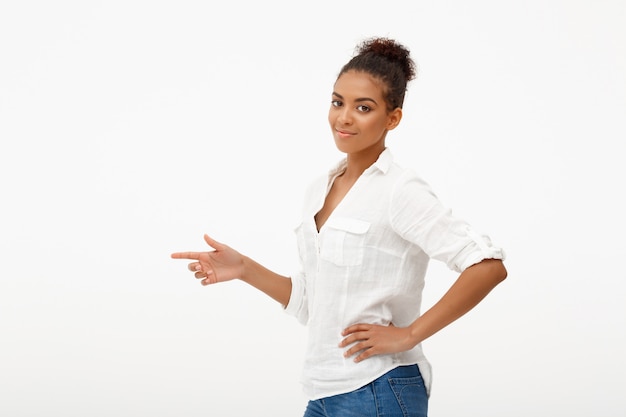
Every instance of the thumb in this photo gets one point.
(213, 243)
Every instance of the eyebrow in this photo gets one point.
(358, 100)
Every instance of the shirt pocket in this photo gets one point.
(343, 241)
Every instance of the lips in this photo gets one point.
(344, 133)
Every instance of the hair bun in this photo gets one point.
(392, 50)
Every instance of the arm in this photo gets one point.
(469, 289)
(224, 263)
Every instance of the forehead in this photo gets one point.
(356, 84)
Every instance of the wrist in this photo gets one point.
(415, 334)
(245, 267)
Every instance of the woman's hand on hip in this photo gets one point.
(368, 340)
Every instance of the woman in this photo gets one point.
(368, 230)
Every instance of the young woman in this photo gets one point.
(369, 228)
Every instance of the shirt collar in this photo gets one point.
(384, 161)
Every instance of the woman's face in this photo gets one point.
(358, 114)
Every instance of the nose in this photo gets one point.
(345, 116)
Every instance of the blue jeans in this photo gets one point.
(398, 393)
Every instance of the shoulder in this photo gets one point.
(410, 194)
(400, 174)
(406, 180)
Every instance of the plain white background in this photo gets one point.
(130, 128)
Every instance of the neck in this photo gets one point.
(359, 162)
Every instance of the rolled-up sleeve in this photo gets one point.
(297, 305)
(419, 217)
(478, 248)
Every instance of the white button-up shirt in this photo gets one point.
(367, 265)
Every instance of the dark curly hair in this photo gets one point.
(388, 61)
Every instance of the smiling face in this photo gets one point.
(358, 114)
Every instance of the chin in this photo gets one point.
(342, 146)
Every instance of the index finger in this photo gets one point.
(360, 327)
(186, 255)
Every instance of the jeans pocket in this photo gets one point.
(411, 395)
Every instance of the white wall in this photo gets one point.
(130, 128)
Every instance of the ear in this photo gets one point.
(393, 118)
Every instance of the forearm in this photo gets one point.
(274, 285)
(469, 289)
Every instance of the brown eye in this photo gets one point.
(336, 103)
(364, 109)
